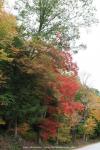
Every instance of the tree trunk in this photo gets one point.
(85, 138)
(9, 126)
(16, 131)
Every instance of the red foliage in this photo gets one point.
(62, 60)
(52, 110)
(67, 87)
(49, 128)
(67, 62)
(78, 106)
(68, 108)
(47, 100)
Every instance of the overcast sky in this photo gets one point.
(88, 60)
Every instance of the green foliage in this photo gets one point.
(47, 17)
(30, 136)
(6, 99)
(25, 101)
(80, 130)
(97, 129)
(2, 122)
(29, 87)
(89, 126)
(64, 135)
(7, 28)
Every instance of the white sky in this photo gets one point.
(89, 60)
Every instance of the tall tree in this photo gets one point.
(7, 28)
(46, 17)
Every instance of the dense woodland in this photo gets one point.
(41, 96)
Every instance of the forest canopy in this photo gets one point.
(41, 95)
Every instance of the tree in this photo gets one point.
(66, 88)
(89, 127)
(47, 17)
(91, 114)
(7, 28)
(7, 34)
(63, 135)
(44, 90)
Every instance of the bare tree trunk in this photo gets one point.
(16, 130)
(9, 126)
(85, 138)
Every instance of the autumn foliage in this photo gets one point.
(66, 86)
(40, 88)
